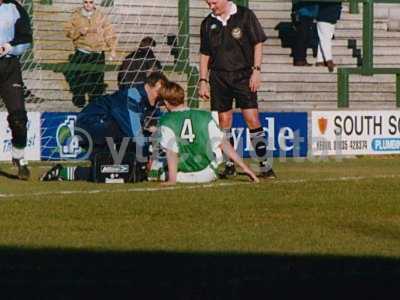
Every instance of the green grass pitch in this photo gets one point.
(320, 221)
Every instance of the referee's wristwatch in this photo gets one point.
(203, 79)
(256, 68)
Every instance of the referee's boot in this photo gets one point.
(229, 170)
(266, 170)
(23, 171)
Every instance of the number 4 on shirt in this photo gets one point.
(187, 131)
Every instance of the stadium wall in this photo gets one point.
(284, 87)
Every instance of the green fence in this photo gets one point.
(367, 68)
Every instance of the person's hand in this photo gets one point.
(255, 81)
(4, 49)
(204, 91)
(251, 175)
(113, 55)
(83, 30)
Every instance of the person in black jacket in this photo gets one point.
(15, 32)
(328, 15)
(304, 14)
(138, 64)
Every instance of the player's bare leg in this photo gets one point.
(225, 123)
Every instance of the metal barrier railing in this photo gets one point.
(367, 67)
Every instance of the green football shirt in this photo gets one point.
(194, 135)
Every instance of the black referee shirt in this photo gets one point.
(231, 47)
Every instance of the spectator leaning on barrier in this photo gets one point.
(304, 15)
(15, 35)
(231, 41)
(138, 64)
(91, 34)
(328, 15)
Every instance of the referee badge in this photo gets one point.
(237, 33)
(213, 26)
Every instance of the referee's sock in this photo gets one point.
(259, 142)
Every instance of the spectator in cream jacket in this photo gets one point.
(92, 34)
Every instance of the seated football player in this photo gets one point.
(119, 115)
(192, 141)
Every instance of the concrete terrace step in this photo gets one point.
(300, 106)
(300, 87)
(284, 87)
(320, 96)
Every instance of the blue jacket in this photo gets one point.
(127, 108)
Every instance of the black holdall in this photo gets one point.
(105, 170)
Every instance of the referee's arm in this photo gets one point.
(255, 80)
(204, 91)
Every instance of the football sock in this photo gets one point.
(67, 173)
(259, 142)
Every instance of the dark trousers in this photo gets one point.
(11, 91)
(96, 129)
(303, 37)
(84, 82)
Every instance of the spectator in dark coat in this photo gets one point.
(304, 14)
(138, 65)
(328, 15)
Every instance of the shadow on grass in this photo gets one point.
(73, 274)
(8, 175)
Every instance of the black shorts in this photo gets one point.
(11, 90)
(226, 86)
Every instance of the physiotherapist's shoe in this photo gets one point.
(52, 175)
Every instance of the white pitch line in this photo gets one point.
(3, 196)
(128, 190)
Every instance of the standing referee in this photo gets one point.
(231, 52)
(15, 30)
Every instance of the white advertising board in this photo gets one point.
(32, 150)
(355, 132)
